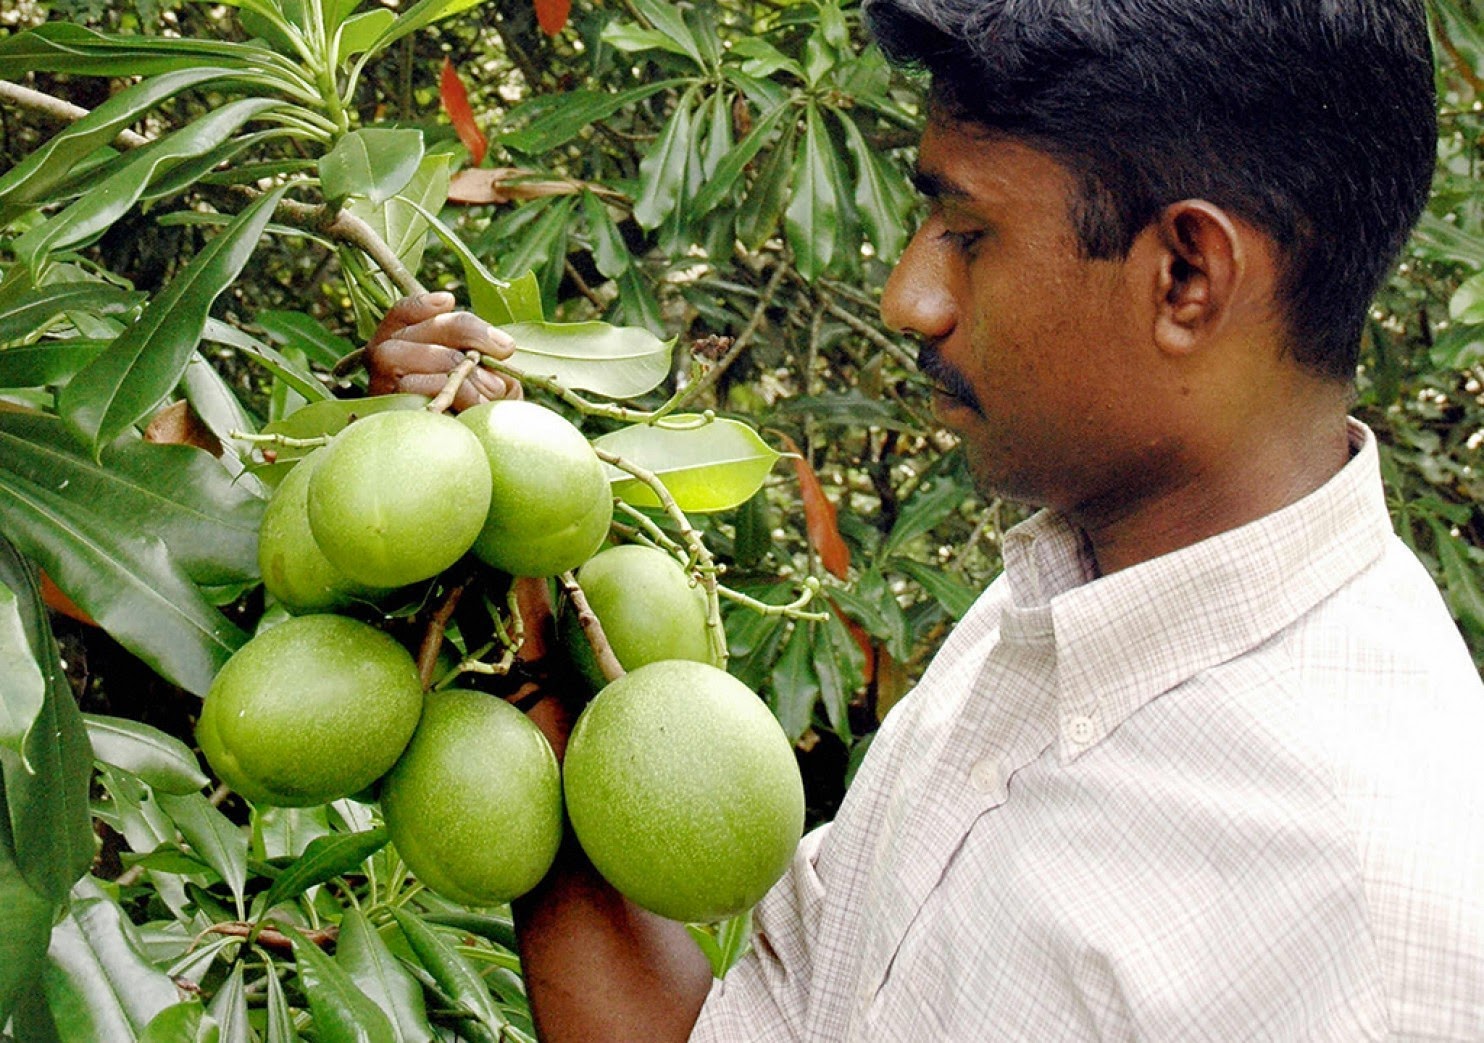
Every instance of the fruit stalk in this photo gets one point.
(587, 619)
(456, 378)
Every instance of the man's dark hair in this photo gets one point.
(1311, 119)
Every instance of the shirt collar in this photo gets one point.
(1122, 640)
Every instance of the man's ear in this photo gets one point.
(1202, 263)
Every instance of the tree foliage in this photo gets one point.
(685, 209)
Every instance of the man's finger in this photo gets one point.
(411, 310)
(462, 330)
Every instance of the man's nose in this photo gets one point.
(918, 298)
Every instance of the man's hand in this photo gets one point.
(422, 339)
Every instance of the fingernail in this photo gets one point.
(438, 298)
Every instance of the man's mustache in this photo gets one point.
(950, 381)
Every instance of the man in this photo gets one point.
(1201, 764)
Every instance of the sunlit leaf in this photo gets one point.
(371, 965)
(617, 361)
(705, 466)
(22, 686)
(374, 163)
(324, 859)
(161, 760)
(342, 1012)
(98, 984)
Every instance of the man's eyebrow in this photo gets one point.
(936, 186)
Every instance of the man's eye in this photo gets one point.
(963, 242)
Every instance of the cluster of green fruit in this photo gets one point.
(678, 783)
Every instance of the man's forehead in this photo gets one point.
(958, 162)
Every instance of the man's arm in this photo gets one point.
(597, 967)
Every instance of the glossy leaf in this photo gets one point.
(758, 216)
(453, 975)
(161, 760)
(108, 199)
(456, 103)
(617, 361)
(729, 169)
(794, 686)
(955, 597)
(173, 492)
(418, 16)
(46, 362)
(1462, 578)
(360, 32)
(932, 501)
(554, 119)
(212, 836)
(402, 221)
(493, 299)
(279, 1027)
(629, 38)
(48, 828)
(25, 927)
(146, 361)
(30, 313)
(342, 1012)
(324, 859)
(835, 685)
(182, 1023)
(541, 242)
(374, 164)
(662, 170)
(610, 252)
(98, 985)
(229, 1008)
(297, 329)
(666, 18)
(812, 215)
(881, 196)
(40, 170)
(71, 48)
(373, 968)
(22, 686)
(705, 466)
(820, 518)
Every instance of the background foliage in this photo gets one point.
(730, 173)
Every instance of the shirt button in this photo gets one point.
(984, 776)
(1080, 729)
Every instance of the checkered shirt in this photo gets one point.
(1232, 793)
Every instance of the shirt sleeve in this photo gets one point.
(765, 996)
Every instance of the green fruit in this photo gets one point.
(649, 609)
(684, 791)
(550, 502)
(313, 710)
(295, 571)
(399, 497)
(474, 806)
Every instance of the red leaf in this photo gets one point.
(456, 104)
(819, 517)
(862, 640)
(552, 14)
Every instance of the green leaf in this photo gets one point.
(368, 962)
(881, 196)
(212, 836)
(67, 47)
(541, 240)
(616, 361)
(25, 925)
(760, 212)
(109, 198)
(124, 383)
(763, 59)
(705, 466)
(286, 832)
(32, 312)
(324, 859)
(98, 984)
(493, 299)
(662, 170)
(286, 370)
(330, 418)
(718, 135)
(360, 32)
(554, 119)
(632, 38)
(46, 362)
(610, 252)
(955, 597)
(1467, 303)
(182, 1023)
(667, 19)
(162, 761)
(48, 828)
(418, 16)
(280, 1020)
(374, 164)
(835, 688)
(936, 498)
(34, 175)
(22, 686)
(794, 684)
(342, 1012)
(812, 216)
(402, 221)
(229, 1008)
(176, 493)
(730, 168)
(1461, 577)
(295, 329)
(453, 975)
